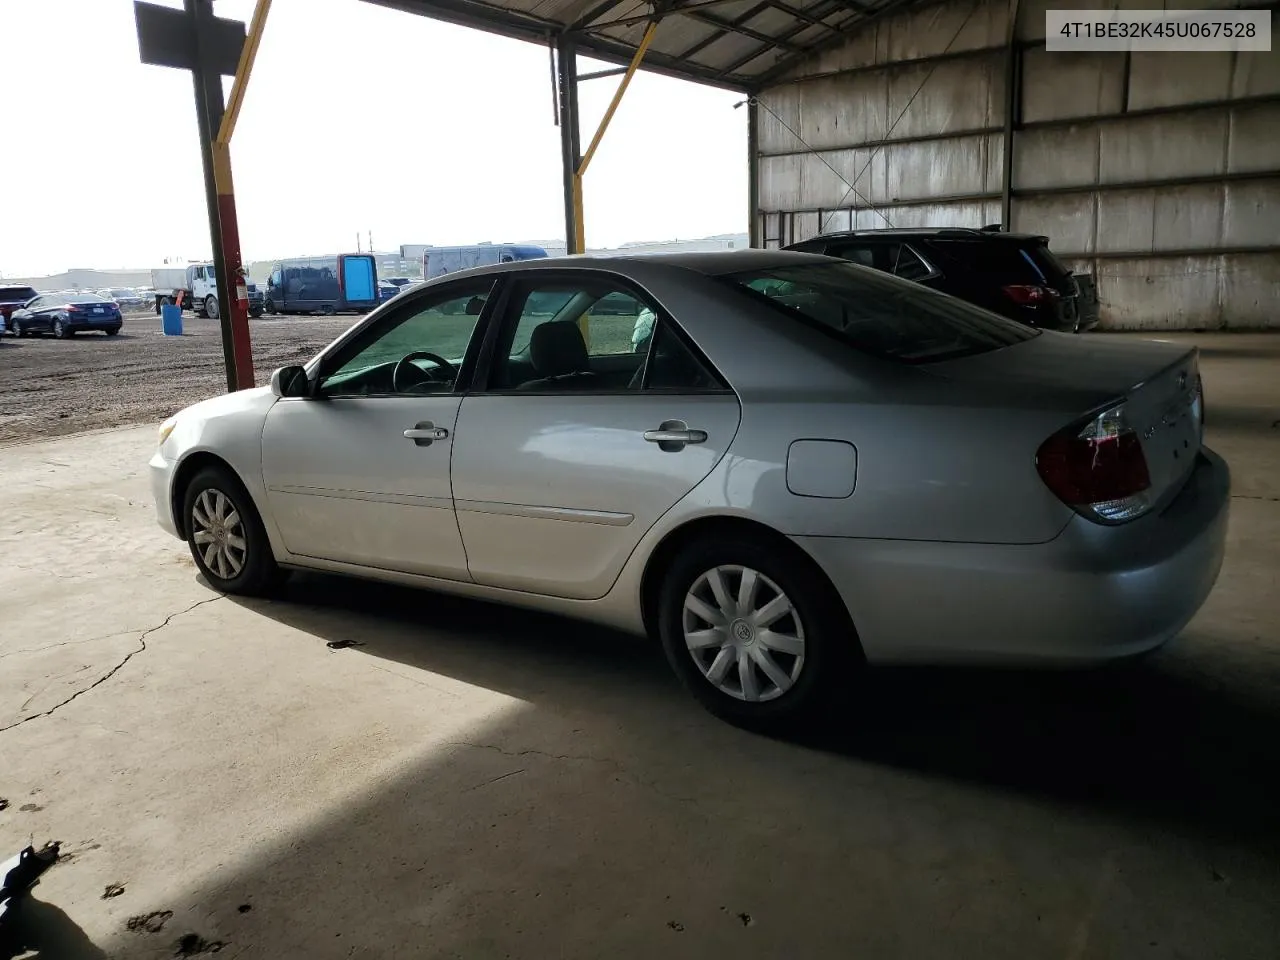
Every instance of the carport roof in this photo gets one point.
(739, 44)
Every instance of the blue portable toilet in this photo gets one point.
(171, 320)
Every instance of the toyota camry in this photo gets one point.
(782, 466)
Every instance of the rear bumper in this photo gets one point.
(1092, 594)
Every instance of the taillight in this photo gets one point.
(1197, 402)
(72, 308)
(1098, 469)
(1029, 295)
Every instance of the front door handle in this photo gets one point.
(424, 433)
(673, 435)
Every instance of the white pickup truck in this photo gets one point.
(198, 288)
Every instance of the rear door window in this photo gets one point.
(896, 258)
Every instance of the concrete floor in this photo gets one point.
(476, 782)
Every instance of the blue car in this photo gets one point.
(65, 315)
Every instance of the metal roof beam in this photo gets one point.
(733, 26)
(844, 32)
(805, 16)
(496, 20)
(597, 11)
(713, 37)
(787, 63)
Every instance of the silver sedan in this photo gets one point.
(783, 466)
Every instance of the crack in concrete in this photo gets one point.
(69, 643)
(142, 645)
(529, 753)
(1253, 496)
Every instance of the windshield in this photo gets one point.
(880, 315)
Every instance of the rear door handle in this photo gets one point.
(673, 435)
(422, 434)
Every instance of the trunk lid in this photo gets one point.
(1157, 381)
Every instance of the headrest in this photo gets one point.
(557, 348)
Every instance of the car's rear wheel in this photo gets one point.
(61, 330)
(111, 331)
(755, 631)
(227, 539)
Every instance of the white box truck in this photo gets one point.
(197, 286)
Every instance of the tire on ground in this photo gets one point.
(832, 655)
(258, 572)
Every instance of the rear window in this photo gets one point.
(880, 315)
(11, 294)
(85, 298)
(1004, 258)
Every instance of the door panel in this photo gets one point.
(345, 484)
(554, 492)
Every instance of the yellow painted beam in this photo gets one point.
(243, 69)
(617, 96)
(580, 230)
(579, 222)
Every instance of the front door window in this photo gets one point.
(418, 350)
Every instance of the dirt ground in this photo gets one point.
(50, 388)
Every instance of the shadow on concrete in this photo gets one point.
(42, 931)
(1148, 739)
(603, 813)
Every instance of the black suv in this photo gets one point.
(1013, 274)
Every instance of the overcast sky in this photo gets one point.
(357, 118)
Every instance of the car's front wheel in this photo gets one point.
(211, 307)
(227, 539)
(19, 330)
(755, 631)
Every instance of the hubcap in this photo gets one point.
(218, 532)
(743, 633)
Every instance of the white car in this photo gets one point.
(807, 465)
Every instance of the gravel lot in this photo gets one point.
(51, 387)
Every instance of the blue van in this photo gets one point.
(437, 261)
(343, 283)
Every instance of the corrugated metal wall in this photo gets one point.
(1157, 172)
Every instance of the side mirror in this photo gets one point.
(290, 382)
(475, 306)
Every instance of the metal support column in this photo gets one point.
(1012, 114)
(209, 110)
(567, 90)
(753, 173)
(211, 47)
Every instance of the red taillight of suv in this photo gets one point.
(1098, 468)
(1029, 295)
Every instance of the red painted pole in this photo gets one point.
(238, 307)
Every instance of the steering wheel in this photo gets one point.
(399, 376)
